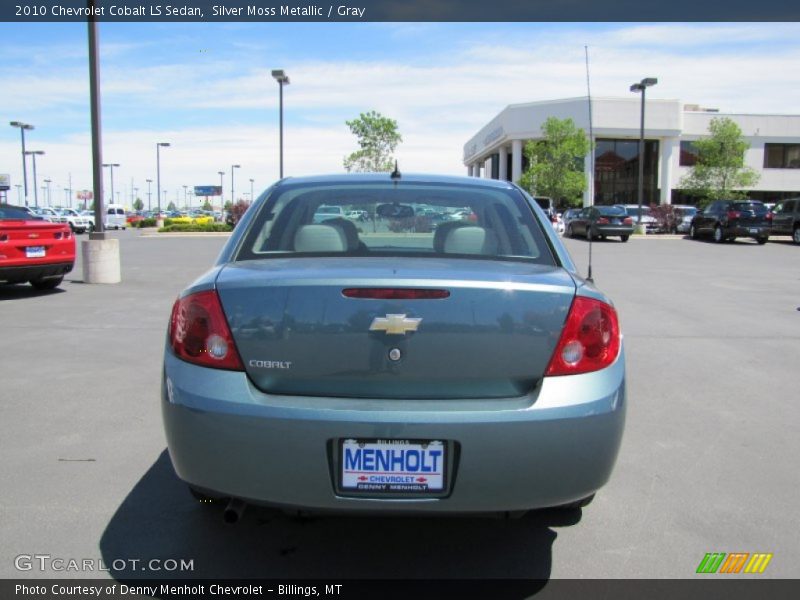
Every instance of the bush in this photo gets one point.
(145, 223)
(204, 228)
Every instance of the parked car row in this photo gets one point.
(722, 220)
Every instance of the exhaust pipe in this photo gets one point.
(233, 512)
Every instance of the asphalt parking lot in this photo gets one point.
(708, 462)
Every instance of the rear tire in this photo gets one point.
(624, 238)
(762, 240)
(718, 236)
(47, 284)
(693, 232)
(569, 232)
(796, 234)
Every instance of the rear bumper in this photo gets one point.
(16, 274)
(612, 230)
(553, 446)
(753, 231)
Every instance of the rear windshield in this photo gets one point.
(406, 219)
(757, 207)
(12, 213)
(611, 211)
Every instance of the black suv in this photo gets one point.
(729, 219)
(786, 219)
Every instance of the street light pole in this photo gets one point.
(47, 181)
(33, 154)
(112, 165)
(185, 201)
(251, 190)
(233, 194)
(22, 127)
(158, 172)
(283, 79)
(221, 188)
(641, 87)
(149, 206)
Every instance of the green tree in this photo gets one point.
(171, 206)
(720, 171)
(556, 162)
(377, 138)
(207, 205)
(138, 204)
(228, 205)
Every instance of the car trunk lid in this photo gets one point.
(492, 336)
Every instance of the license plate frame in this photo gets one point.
(423, 472)
(35, 252)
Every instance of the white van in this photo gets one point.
(115, 217)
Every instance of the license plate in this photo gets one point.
(393, 466)
(34, 251)
(753, 230)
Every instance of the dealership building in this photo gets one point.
(671, 126)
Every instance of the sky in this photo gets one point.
(206, 89)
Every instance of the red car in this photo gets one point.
(132, 218)
(33, 249)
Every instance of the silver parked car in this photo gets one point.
(325, 367)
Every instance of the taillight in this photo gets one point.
(733, 214)
(602, 221)
(199, 332)
(627, 221)
(3, 237)
(590, 340)
(769, 216)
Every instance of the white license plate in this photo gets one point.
(393, 466)
(753, 230)
(34, 251)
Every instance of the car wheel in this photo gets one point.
(577, 504)
(718, 237)
(569, 233)
(693, 232)
(47, 284)
(72, 227)
(796, 235)
(762, 240)
(624, 238)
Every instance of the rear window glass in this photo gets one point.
(756, 207)
(612, 211)
(13, 213)
(405, 219)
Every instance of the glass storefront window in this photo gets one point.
(617, 171)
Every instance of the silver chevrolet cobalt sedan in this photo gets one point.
(440, 356)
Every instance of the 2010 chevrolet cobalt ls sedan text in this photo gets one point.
(417, 361)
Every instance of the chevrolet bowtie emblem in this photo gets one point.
(394, 324)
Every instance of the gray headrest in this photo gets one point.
(470, 240)
(319, 238)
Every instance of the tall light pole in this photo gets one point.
(251, 190)
(149, 207)
(641, 87)
(221, 195)
(48, 181)
(19, 192)
(22, 127)
(33, 154)
(283, 79)
(158, 172)
(112, 165)
(185, 201)
(233, 195)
